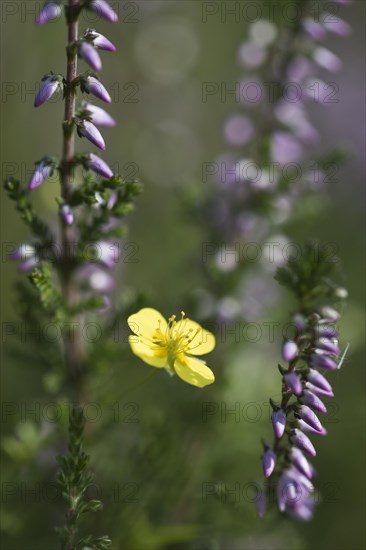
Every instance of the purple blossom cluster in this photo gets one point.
(310, 355)
(266, 167)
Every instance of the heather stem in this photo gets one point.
(73, 343)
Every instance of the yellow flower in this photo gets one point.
(171, 345)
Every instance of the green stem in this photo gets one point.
(73, 342)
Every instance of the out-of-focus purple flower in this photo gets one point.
(330, 346)
(322, 362)
(329, 314)
(290, 350)
(335, 24)
(96, 278)
(112, 200)
(102, 8)
(289, 491)
(99, 116)
(309, 416)
(28, 256)
(300, 461)
(314, 28)
(66, 214)
(90, 55)
(95, 87)
(313, 401)
(49, 12)
(279, 422)
(43, 170)
(99, 40)
(294, 382)
(107, 253)
(251, 55)
(303, 510)
(299, 322)
(261, 503)
(302, 441)
(285, 148)
(269, 459)
(238, 130)
(98, 166)
(299, 69)
(50, 84)
(91, 132)
(318, 380)
(327, 59)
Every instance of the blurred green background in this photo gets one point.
(153, 453)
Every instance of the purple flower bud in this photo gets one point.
(325, 331)
(99, 116)
(91, 132)
(303, 510)
(49, 86)
(66, 214)
(309, 416)
(269, 459)
(102, 8)
(302, 441)
(42, 171)
(261, 504)
(279, 422)
(50, 10)
(99, 40)
(327, 59)
(329, 314)
(300, 478)
(314, 28)
(107, 253)
(336, 25)
(322, 362)
(299, 322)
(312, 401)
(90, 55)
(298, 459)
(330, 346)
(319, 391)
(293, 381)
(99, 166)
(318, 380)
(95, 87)
(304, 427)
(289, 351)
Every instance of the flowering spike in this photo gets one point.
(50, 85)
(98, 166)
(91, 132)
(95, 87)
(90, 55)
(102, 8)
(49, 12)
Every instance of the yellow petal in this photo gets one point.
(146, 321)
(193, 371)
(203, 340)
(155, 358)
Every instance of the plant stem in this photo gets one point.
(73, 342)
